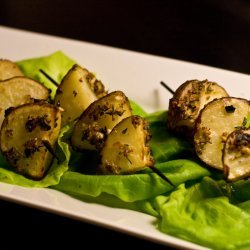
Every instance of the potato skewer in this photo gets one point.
(220, 138)
(76, 139)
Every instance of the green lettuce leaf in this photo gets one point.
(247, 125)
(240, 190)
(55, 65)
(53, 176)
(137, 110)
(157, 117)
(202, 214)
(164, 145)
(133, 187)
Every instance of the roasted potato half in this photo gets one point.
(236, 155)
(126, 149)
(187, 102)
(215, 122)
(20, 90)
(25, 134)
(78, 89)
(98, 120)
(9, 69)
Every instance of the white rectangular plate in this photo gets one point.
(138, 75)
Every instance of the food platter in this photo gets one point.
(139, 76)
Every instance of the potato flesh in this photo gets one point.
(19, 90)
(216, 121)
(187, 102)
(75, 93)
(98, 120)
(126, 149)
(236, 155)
(8, 70)
(22, 135)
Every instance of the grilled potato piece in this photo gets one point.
(25, 132)
(20, 90)
(98, 120)
(216, 121)
(78, 89)
(236, 155)
(126, 149)
(8, 69)
(187, 102)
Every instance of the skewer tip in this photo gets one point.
(159, 173)
(167, 87)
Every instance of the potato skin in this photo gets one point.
(20, 90)
(96, 122)
(78, 89)
(236, 155)
(22, 136)
(215, 122)
(188, 100)
(9, 69)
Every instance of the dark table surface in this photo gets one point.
(211, 32)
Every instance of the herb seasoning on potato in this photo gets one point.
(216, 121)
(126, 149)
(98, 120)
(188, 100)
(236, 155)
(25, 133)
(78, 89)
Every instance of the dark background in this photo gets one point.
(211, 32)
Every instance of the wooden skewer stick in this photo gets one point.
(49, 77)
(167, 87)
(164, 177)
(50, 148)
